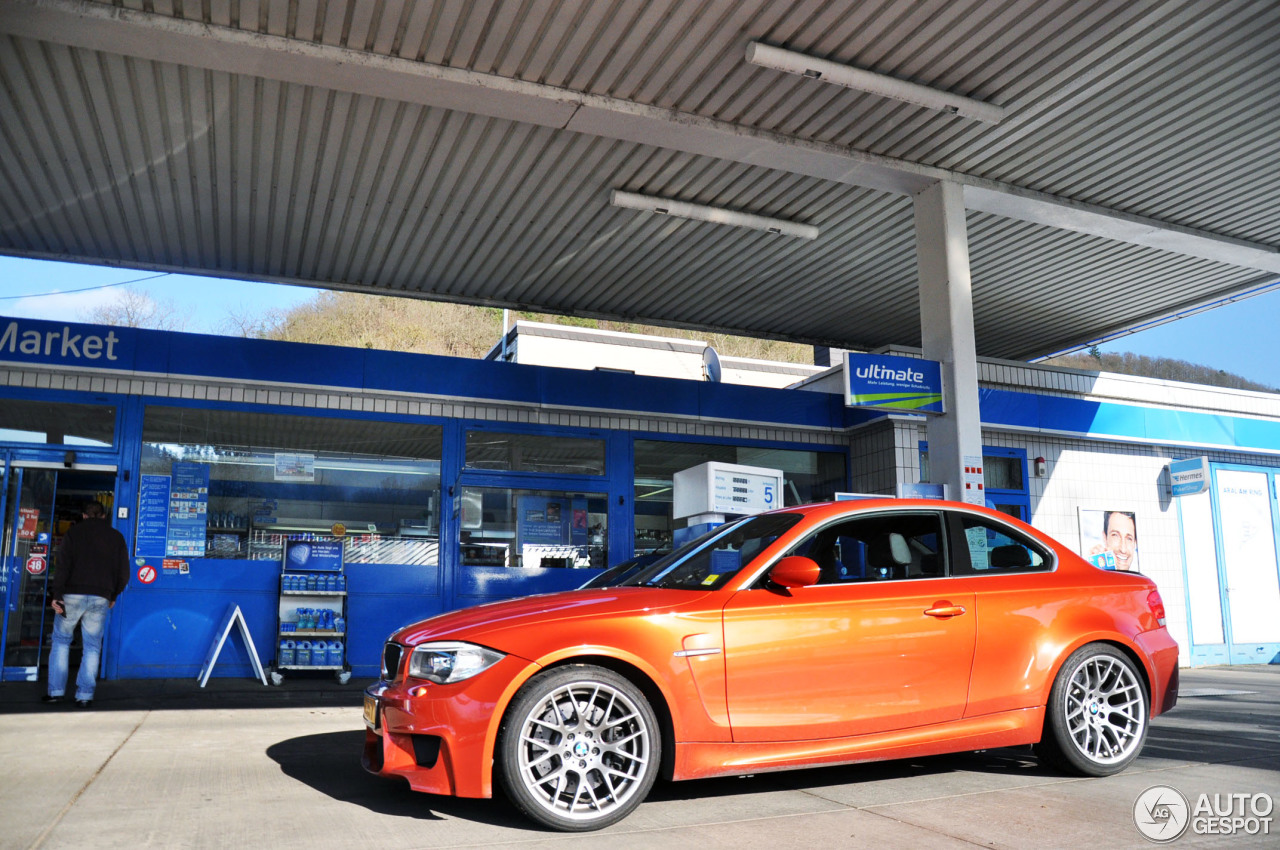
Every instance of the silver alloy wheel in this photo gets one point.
(583, 750)
(1105, 711)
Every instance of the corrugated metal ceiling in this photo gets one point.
(1163, 110)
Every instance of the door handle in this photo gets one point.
(944, 610)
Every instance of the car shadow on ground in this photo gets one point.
(1017, 761)
(330, 763)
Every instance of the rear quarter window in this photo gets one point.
(995, 549)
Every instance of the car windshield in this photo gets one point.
(709, 561)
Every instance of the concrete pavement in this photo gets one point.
(166, 764)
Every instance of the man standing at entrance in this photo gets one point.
(91, 571)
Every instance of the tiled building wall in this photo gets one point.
(874, 459)
(907, 437)
(1111, 476)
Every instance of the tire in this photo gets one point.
(579, 748)
(1098, 713)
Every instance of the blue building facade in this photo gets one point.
(451, 482)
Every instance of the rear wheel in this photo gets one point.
(1096, 720)
(579, 748)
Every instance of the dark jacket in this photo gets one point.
(93, 559)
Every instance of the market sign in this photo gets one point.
(56, 343)
(890, 382)
(1190, 476)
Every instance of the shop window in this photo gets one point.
(55, 423)
(809, 476)
(533, 529)
(231, 484)
(1002, 473)
(534, 453)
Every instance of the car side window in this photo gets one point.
(880, 547)
(996, 549)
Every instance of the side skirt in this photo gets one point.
(1005, 729)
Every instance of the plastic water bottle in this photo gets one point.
(340, 624)
(286, 653)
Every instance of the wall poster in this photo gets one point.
(1109, 538)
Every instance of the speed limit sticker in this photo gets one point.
(147, 574)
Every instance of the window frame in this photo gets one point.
(945, 543)
(962, 564)
(103, 400)
(363, 418)
(593, 435)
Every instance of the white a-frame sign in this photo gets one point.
(233, 616)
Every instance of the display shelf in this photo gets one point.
(322, 560)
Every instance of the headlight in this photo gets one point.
(451, 661)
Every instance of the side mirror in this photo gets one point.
(795, 571)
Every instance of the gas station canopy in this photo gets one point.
(1120, 161)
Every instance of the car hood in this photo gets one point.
(490, 622)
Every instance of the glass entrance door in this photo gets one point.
(517, 541)
(40, 504)
(1246, 518)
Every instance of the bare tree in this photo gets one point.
(247, 321)
(135, 309)
(389, 323)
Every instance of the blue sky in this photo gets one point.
(1243, 337)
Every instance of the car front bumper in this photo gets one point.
(440, 738)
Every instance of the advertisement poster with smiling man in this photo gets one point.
(1109, 539)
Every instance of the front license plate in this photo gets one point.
(371, 711)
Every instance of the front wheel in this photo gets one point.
(579, 748)
(1096, 720)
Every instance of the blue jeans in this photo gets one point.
(91, 613)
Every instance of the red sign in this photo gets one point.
(147, 574)
(173, 563)
(36, 565)
(29, 519)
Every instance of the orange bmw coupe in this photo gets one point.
(818, 635)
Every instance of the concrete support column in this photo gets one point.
(946, 326)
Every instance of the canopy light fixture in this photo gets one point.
(848, 76)
(698, 212)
